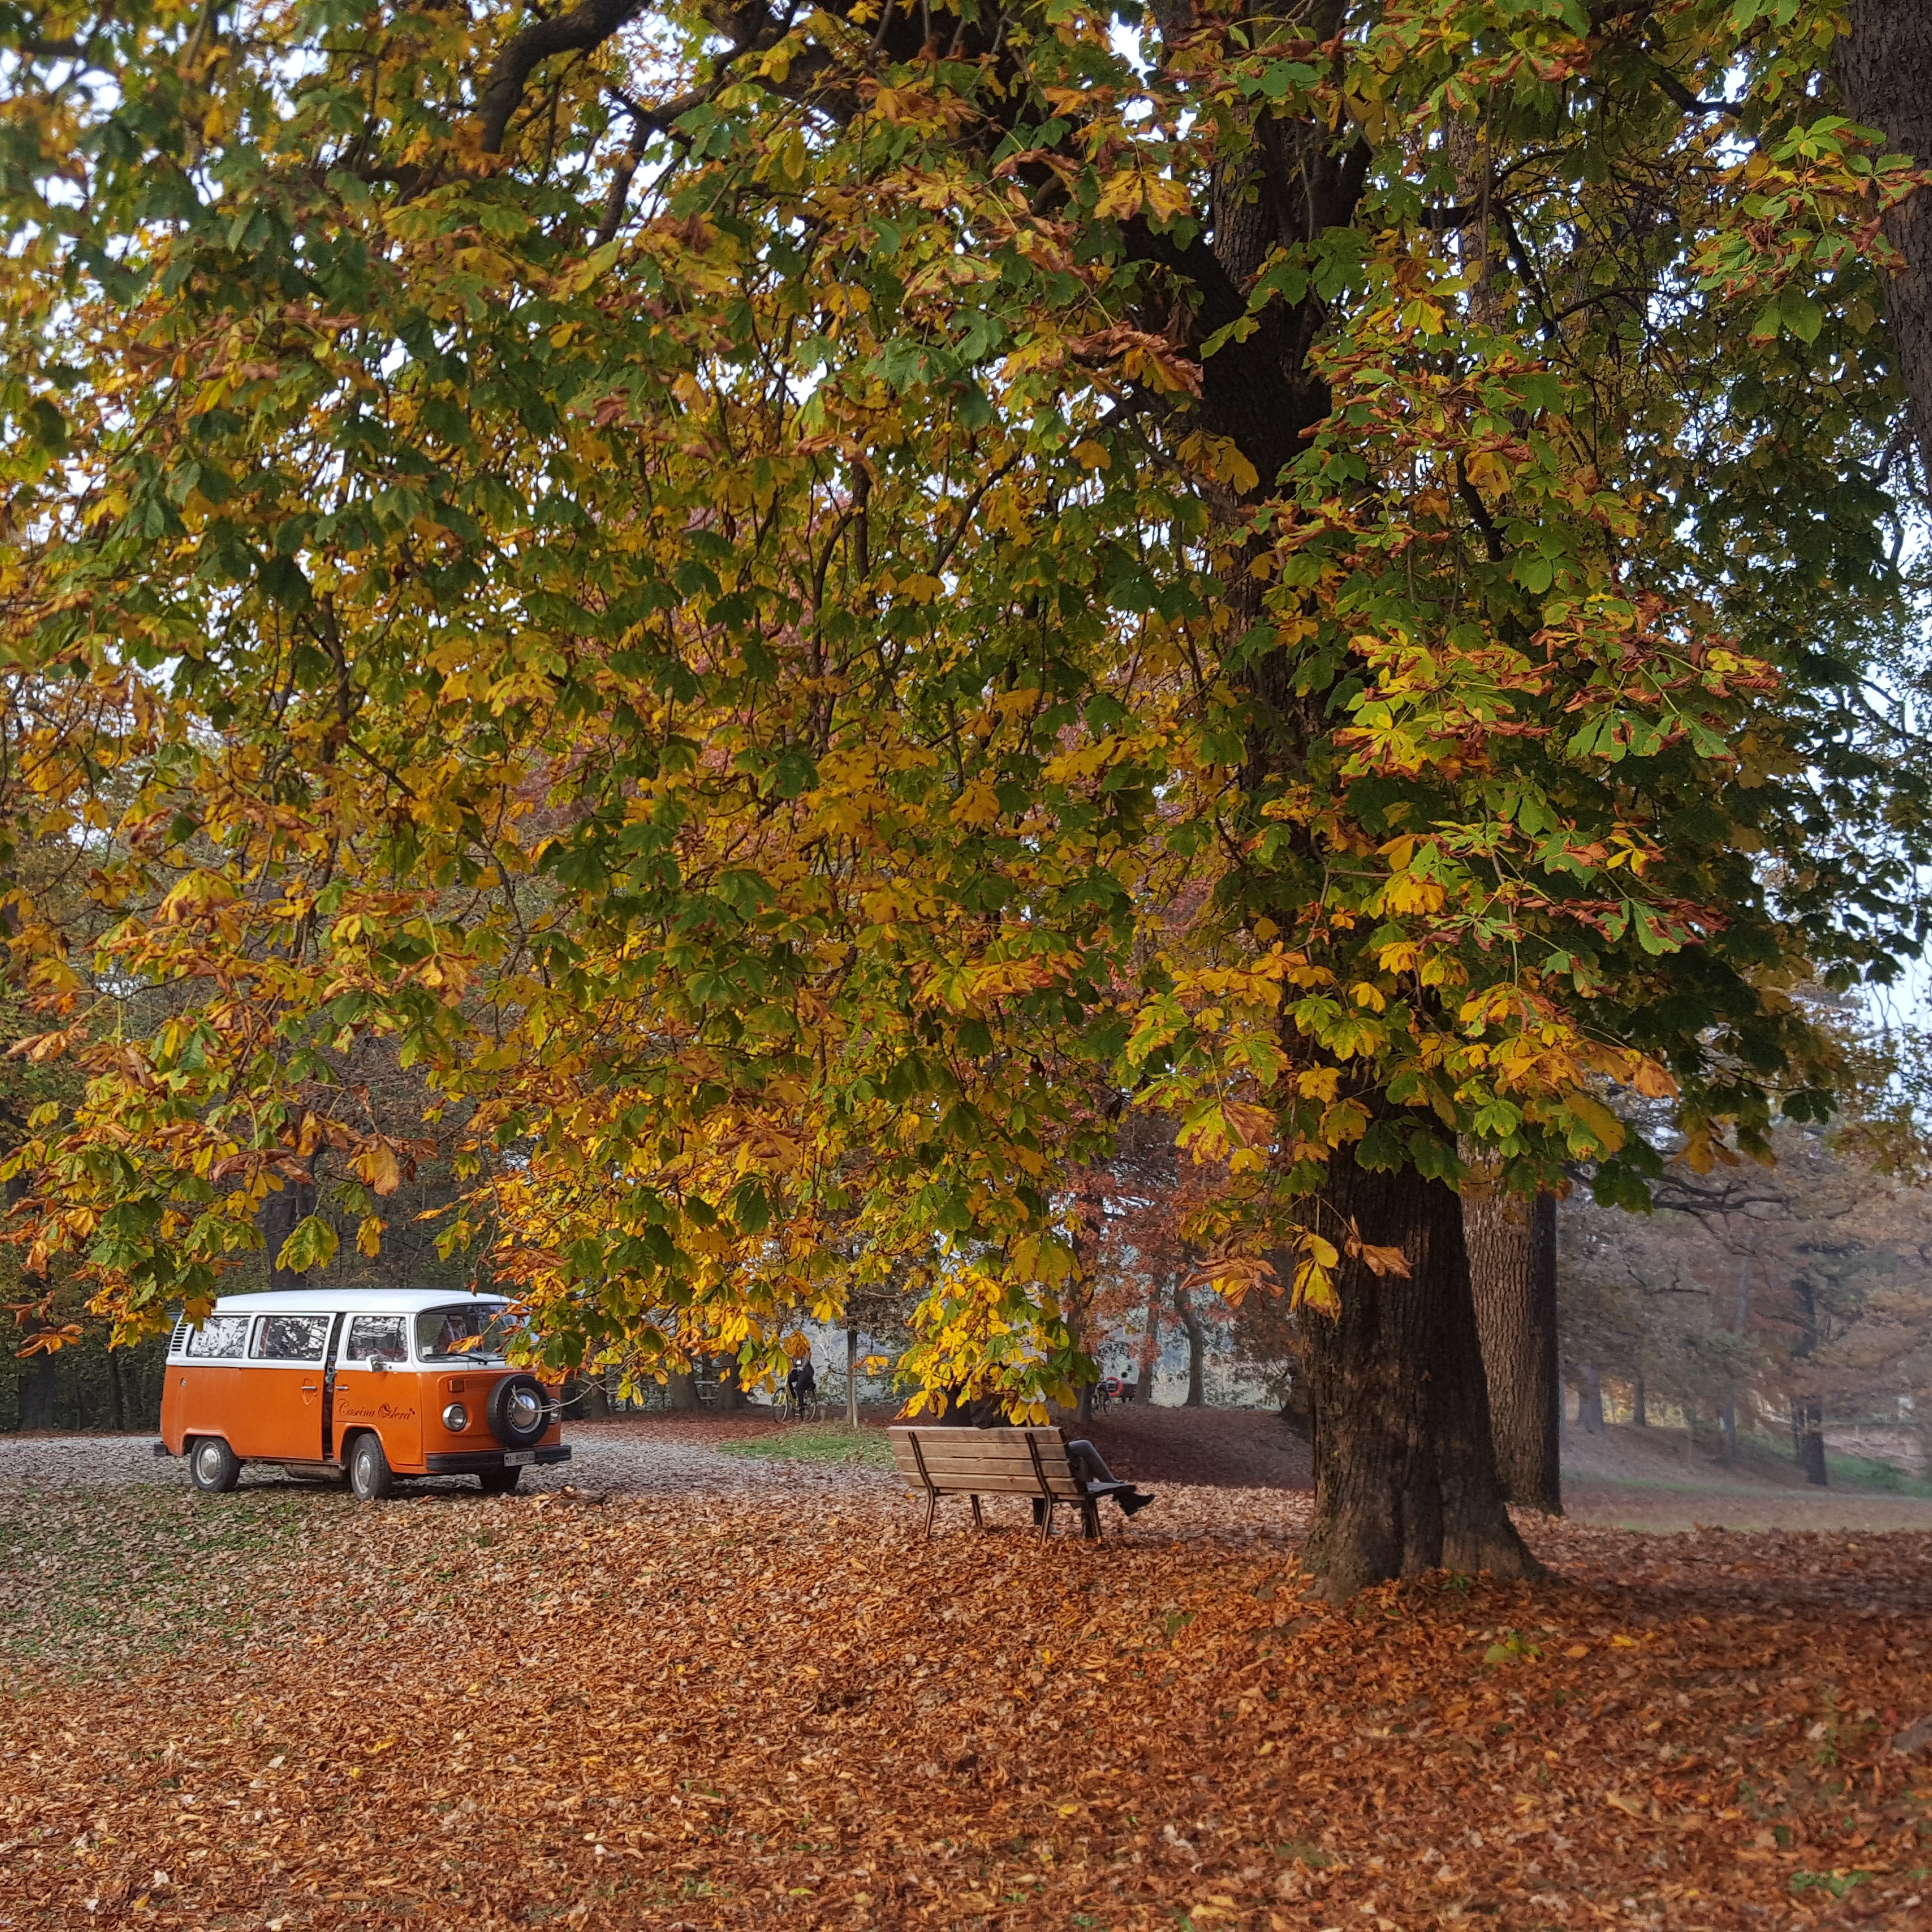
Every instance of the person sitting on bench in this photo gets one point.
(1082, 1458)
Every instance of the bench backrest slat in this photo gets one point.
(987, 1462)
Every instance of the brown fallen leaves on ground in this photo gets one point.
(451, 1711)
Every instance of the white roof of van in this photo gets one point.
(347, 1300)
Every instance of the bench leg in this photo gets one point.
(1090, 1522)
(979, 1521)
(931, 1510)
(1043, 1515)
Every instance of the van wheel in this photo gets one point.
(499, 1482)
(370, 1476)
(214, 1467)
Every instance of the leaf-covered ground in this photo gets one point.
(277, 1709)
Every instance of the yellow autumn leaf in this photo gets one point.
(976, 806)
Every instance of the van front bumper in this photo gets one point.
(475, 1462)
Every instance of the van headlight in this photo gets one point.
(456, 1418)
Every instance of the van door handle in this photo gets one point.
(308, 1388)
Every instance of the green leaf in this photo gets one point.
(1802, 317)
(311, 1244)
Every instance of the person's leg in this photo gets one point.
(1086, 1463)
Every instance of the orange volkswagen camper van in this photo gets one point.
(377, 1383)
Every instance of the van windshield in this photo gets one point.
(471, 1331)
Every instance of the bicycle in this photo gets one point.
(807, 1408)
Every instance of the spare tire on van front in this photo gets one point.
(517, 1414)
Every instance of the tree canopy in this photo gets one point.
(798, 607)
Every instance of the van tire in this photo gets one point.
(371, 1478)
(499, 1482)
(212, 1466)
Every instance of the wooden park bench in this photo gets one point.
(976, 1462)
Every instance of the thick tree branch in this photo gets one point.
(1479, 513)
(589, 25)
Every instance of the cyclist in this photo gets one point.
(802, 1384)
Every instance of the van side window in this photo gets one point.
(377, 1338)
(219, 1335)
(291, 1338)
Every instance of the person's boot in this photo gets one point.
(1132, 1500)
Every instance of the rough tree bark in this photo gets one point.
(681, 1393)
(1404, 1465)
(1884, 74)
(1512, 1248)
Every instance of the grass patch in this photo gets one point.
(812, 1442)
(96, 1578)
(1886, 1477)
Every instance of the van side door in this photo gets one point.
(281, 1389)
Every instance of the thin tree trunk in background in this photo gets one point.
(1512, 1248)
(280, 1212)
(37, 1391)
(729, 1395)
(1590, 1401)
(681, 1393)
(1405, 1477)
(1197, 1347)
(851, 1378)
(36, 1387)
(1639, 1403)
(1150, 1347)
(117, 1401)
(1727, 1426)
(1808, 1438)
(1076, 1305)
(1884, 74)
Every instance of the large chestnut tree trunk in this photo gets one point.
(1405, 1478)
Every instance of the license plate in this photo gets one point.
(516, 1459)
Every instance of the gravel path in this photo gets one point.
(620, 1466)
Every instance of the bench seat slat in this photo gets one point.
(1004, 1485)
